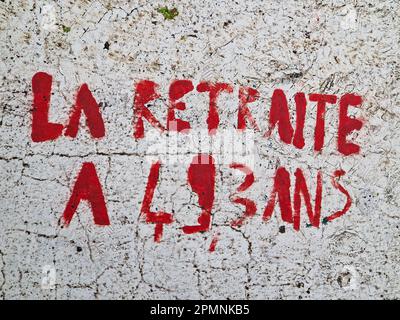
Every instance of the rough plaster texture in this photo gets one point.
(325, 46)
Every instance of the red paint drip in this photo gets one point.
(213, 243)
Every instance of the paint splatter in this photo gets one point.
(213, 243)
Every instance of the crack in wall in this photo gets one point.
(3, 266)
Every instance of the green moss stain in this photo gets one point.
(66, 29)
(169, 14)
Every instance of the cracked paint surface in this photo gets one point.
(318, 46)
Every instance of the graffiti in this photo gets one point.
(146, 92)
(201, 172)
